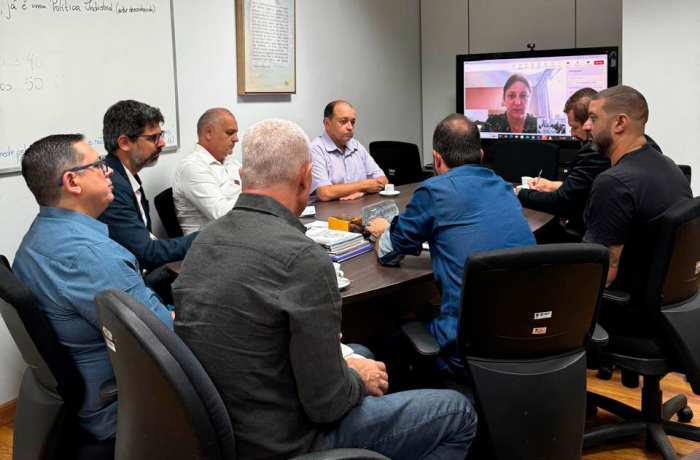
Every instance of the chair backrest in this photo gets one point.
(400, 161)
(687, 171)
(526, 317)
(168, 405)
(674, 283)
(514, 159)
(52, 367)
(166, 211)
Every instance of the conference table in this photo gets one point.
(378, 295)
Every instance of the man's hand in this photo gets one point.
(173, 314)
(352, 196)
(373, 375)
(377, 227)
(543, 185)
(372, 186)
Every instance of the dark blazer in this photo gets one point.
(569, 201)
(123, 218)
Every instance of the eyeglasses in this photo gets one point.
(101, 163)
(155, 138)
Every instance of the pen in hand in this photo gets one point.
(538, 178)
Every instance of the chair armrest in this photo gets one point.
(422, 340)
(342, 454)
(616, 297)
(600, 336)
(108, 390)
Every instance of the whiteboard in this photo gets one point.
(63, 63)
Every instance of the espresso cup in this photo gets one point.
(524, 180)
(389, 188)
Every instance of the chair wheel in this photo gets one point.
(605, 372)
(685, 415)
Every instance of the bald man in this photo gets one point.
(342, 167)
(207, 183)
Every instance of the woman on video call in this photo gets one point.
(516, 99)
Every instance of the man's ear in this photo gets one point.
(305, 182)
(622, 123)
(70, 183)
(437, 160)
(124, 142)
(326, 123)
(208, 131)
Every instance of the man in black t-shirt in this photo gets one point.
(628, 199)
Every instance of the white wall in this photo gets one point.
(365, 51)
(661, 59)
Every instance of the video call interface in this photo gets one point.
(532, 106)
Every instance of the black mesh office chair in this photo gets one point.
(667, 340)
(51, 391)
(527, 316)
(168, 405)
(400, 161)
(513, 159)
(166, 211)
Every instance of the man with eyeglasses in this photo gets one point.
(67, 257)
(133, 139)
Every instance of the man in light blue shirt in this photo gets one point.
(463, 210)
(67, 257)
(342, 167)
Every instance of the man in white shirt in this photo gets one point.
(207, 182)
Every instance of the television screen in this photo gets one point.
(521, 95)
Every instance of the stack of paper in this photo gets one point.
(339, 244)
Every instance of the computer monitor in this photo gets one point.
(538, 85)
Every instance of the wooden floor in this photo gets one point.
(626, 449)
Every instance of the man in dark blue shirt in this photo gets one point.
(465, 209)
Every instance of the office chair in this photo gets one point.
(400, 161)
(513, 159)
(687, 171)
(667, 342)
(168, 405)
(166, 211)
(527, 316)
(51, 392)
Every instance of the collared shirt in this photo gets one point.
(136, 187)
(204, 189)
(258, 304)
(466, 210)
(66, 258)
(333, 167)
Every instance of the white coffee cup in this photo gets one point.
(524, 180)
(389, 188)
(336, 266)
(340, 274)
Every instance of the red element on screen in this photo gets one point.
(598, 62)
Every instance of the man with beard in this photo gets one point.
(628, 199)
(133, 139)
(568, 199)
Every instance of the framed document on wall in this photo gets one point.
(266, 46)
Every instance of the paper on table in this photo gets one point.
(349, 352)
(308, 211)
(317, 224)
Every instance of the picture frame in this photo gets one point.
(266, 47)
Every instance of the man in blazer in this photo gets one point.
(134, 139)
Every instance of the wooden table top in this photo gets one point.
(368, 277)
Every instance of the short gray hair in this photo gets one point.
(273, 152)
(44, 163)
(210, 117)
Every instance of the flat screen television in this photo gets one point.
(539, 83)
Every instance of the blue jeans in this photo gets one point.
(416, 424)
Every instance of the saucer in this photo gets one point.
(385, 193)
(343, 283)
